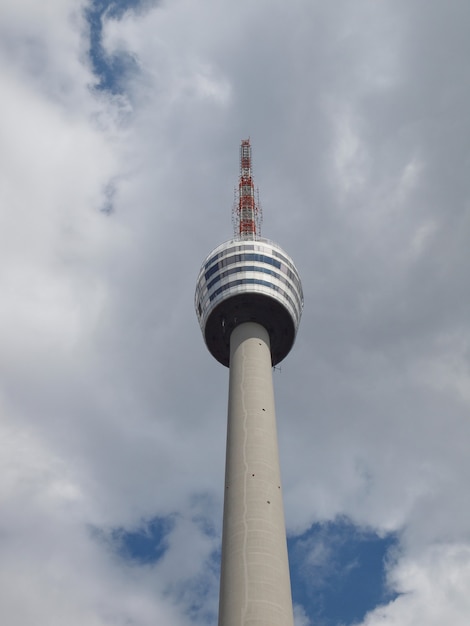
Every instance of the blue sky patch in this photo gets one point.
(110, 70)
(338, 572)
(145, 545)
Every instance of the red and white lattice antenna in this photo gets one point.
(247, 212)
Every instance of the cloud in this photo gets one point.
(433, 587)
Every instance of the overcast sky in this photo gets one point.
(120, 126)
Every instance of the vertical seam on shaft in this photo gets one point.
(245, 465)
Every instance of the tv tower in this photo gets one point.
(249, 301)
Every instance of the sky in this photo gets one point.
(120, 126)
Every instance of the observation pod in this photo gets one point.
(248, 280)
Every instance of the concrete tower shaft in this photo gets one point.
(255, 583)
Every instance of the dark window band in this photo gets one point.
(239, 258)
(253, 281)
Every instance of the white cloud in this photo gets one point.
(433, 589)
(300, 617)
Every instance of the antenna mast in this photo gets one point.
(247, 212)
